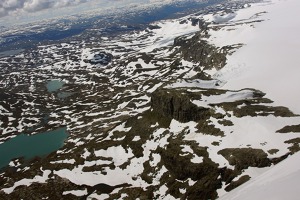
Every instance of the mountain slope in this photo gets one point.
(279, 182)
(269, 61)
(149, 113)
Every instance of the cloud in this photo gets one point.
(13, 7)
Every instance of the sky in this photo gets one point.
(15, 7)
(22, 11)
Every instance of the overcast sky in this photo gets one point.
(22, 11)
(13, 12)
(15, 7)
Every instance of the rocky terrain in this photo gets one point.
(145, 115)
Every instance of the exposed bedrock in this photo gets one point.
(177, 105)
(198, 50)
(242, 158)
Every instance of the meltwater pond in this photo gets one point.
(54, 85)
(30, 146)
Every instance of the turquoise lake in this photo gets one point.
(54, 85)
(30, 146)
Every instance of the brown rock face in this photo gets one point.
(242, 158)
(198, 50)
(177, 105)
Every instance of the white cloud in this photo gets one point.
(10, 7)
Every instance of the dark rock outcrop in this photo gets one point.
(290, 129)
(198, 50)
(235, 184)
(152, 27)
(103, 188)
(102, 58)
(177, 104)
(242, 158)
(180, 167)
(295, 145)
(202, 25)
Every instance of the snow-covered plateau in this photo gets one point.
(198, 107)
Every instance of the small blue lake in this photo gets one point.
(30, 146)
(54, 85)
